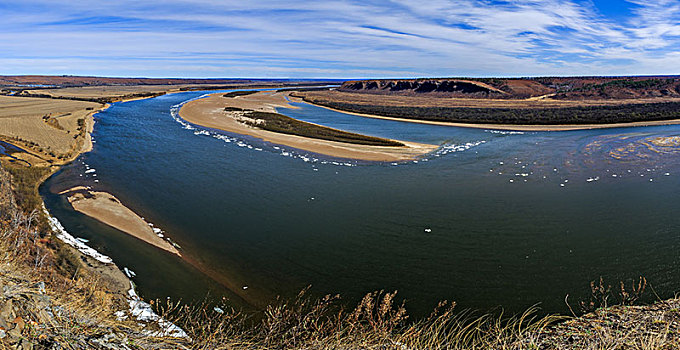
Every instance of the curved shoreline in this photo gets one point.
(504, 127)
(209, 112)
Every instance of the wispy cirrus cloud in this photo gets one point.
(342, 39)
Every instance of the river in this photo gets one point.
(491, 219)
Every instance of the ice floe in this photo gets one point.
(129, 272)
(143, 311)
(65, 237)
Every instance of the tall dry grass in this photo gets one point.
(377, 322)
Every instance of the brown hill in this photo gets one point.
(563, 88)
(70, 81)
(437, 87)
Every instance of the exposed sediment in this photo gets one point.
(210, 112)
(108, 209)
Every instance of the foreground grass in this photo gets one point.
(378, 323)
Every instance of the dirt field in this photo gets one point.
(23, 122)
(103, 91)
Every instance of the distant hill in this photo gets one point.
(569, 88)
(71, 81)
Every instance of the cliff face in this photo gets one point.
(443, 87)
(568, 88)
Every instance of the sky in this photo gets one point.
(340, 39)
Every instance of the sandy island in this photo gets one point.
(506, 127)
(108, 209)
(209, 112)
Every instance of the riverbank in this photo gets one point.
(504, 127)
(210, 112)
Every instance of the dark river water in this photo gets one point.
(490, 219)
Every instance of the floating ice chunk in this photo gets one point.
(129, 272)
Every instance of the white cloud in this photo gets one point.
(338, 38)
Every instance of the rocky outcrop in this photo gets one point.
(448, 87)
(563, 88)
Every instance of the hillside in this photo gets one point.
(569, 88)
(54, 297)
(505, 102)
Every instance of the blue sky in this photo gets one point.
(340, 39)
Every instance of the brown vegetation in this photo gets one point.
(568, 88)
(283, 124)
(523, 102)
(54, 130)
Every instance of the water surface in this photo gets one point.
(490, 219)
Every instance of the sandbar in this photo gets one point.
(108, 209)
(209, 112)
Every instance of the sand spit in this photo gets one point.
(108, 209)
(209, 112)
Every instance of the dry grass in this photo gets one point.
(426, 101)
(49, 298)
(23, 121)
(377, 322)
(94, 92)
